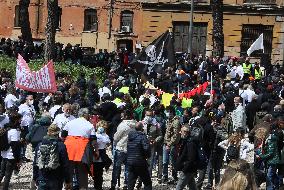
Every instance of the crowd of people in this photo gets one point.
(83, 130)
(68, 54)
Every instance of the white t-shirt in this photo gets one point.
(53, 110)
(10, 101)
(61, 120)
(28, 113)
(4, 119)
(102, 140)
(13, 135)
(80, 127)
(244, 95)
(250, 94)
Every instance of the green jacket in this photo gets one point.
(172, 135)
(271, 154)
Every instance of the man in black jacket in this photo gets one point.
(138, 150)
(188, 165)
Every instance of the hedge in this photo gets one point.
(9, 65)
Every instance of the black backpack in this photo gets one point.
(48, 156)
(4, 144)
(233, 152)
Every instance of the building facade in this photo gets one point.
(115, 24)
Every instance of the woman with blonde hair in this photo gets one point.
(238, 141)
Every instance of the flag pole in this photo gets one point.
(178, 89)
(211, 83)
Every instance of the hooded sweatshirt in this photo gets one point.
(121, 136)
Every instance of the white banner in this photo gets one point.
(35, 81)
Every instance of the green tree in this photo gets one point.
(218, 35)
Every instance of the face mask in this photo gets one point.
(167, 114)
(31, 102)
(148, 119)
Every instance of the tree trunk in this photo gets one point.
(50, 30)
(25, 21)
(218, 35)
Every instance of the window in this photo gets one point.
(262, 2)
(58, 18)
(250, 32)
(17, 22)
(90, 20)
(126, 21)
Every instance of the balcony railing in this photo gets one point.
(260, 2)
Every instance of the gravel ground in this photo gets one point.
(24, 177)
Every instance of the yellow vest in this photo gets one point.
(246, 68)
(257, 74)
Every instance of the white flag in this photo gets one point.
(258, 44)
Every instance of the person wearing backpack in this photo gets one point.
(11, 155)
(38, 130)
(52, 161)
(35, 136)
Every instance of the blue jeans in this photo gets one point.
(186, 179)
(119, 159)
(156, 159)
(272, 181)
(169, 155)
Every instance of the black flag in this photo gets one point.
(156, 56)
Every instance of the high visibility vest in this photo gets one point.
(246, 68)
(257, 74)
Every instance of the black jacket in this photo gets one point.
(187, 161)
(138, 149)
(63, 172)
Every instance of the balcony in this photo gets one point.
(260, 2)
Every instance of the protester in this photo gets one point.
(62, 119)
(171, 139)
(11, 155)
(80, 134)
(138, 151)
(103, 161)
(120, 148)
(187, 161)
(28, 117)
(52, 161)
(180, 112)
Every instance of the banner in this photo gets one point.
(258, 44)
(156, 56)
(35, 81)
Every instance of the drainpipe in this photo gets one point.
(110, 18)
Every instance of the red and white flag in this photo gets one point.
(35, 81)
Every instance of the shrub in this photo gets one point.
(9, 65)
